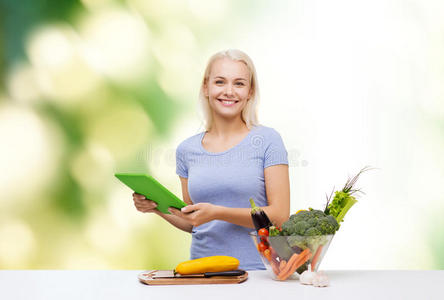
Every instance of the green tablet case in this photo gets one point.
(152, 190)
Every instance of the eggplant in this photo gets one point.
(260, 218)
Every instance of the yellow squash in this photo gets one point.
(207, 264)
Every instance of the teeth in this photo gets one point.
(228, 101)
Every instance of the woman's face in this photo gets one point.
(228, 87)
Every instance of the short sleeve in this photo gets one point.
(275, 153)
(181, 166)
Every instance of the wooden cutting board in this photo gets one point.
(147, 278)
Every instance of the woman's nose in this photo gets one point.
(229, 89)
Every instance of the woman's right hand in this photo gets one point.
(143, 204)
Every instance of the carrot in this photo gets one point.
(295, 262)
(293, 258)
(293, 267)
(314, 261)
(287, 266)
(282, 265)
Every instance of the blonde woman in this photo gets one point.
(233, 160)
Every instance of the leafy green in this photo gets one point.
(343, 199)
(341, 203)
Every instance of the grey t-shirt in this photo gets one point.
(229, 178)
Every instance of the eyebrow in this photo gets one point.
(234, 79)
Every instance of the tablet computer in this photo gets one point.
(149, 187)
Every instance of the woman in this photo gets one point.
(234, 160)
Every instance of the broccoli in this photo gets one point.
(310, 223)
(313, 231)
(300, 227)
(307, 229)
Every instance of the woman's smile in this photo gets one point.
(228, 103)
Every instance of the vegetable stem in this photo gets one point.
(351, 201)
(254, 208)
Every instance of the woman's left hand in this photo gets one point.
(196, 214)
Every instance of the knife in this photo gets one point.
(170, 274)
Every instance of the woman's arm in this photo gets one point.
(277, 188)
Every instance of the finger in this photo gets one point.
(139, 202)
(150, 204)
(144, 202)
(148, 209)
(188, 208)
(147, 205)
(176, 212)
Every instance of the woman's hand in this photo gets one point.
(143, 204)
(196, 214)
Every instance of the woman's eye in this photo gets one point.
(219, 82)
(240, 83)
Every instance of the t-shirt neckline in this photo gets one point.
(228, 150)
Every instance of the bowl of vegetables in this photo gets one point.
(296, 247)
(303, 240)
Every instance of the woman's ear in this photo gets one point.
(250, 93)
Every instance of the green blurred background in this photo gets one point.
(92, 87)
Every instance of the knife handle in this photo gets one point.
(225, 273)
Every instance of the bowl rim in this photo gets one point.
(254, 233)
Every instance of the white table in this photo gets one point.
(109, 285)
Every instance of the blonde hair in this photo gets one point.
(249, 113)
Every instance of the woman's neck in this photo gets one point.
(224, 127)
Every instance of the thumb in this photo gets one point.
(188, 208)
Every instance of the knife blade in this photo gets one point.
(170, 274)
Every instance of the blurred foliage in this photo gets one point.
(86, 86)
(18, 18)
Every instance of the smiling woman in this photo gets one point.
(221, 168)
